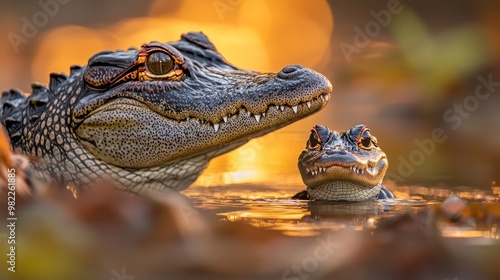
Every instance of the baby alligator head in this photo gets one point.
(346, 166)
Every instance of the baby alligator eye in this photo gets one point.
(314, 142)
(159, 63)
(366, 140)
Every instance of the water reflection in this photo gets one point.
(270, 207)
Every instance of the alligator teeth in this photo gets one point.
(363, 172)
(188, 118)
(314, 173)
(258, 117)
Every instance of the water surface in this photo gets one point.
(269, 206)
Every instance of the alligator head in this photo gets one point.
(153, 117)
(346, 165)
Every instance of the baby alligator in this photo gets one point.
(343, 166)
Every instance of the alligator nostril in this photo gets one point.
(291, 68)
(288, 71)
(336, 151)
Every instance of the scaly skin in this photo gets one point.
(152, 118)
(343, 166)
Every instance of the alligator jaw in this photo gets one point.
(343, 191)
(368, 173)
(106, 132)
(274, 114)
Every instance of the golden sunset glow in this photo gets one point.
(245, 40)
(114, 171)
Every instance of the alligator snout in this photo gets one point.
(290, 71)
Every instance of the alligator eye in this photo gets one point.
(365, 141)
(159, 63)
(314, 142)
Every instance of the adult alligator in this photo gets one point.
(343, 166)
(152, 118)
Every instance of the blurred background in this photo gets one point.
(410, 70)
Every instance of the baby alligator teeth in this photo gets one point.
(314, 173)
(362, 171)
